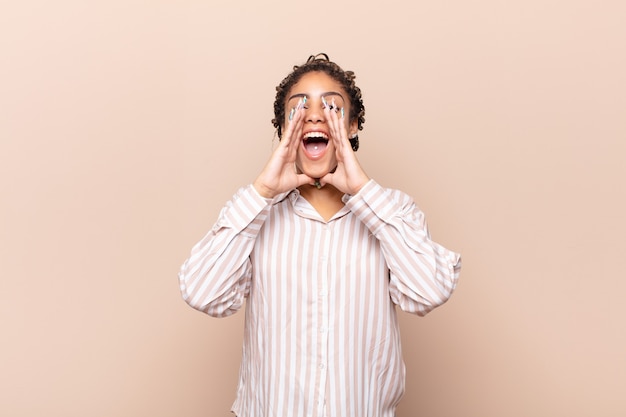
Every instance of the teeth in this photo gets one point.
(315, 135)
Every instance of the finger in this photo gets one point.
(339, 123)
(295, 134)
(331, 120)
(291, 123)
(303, 179)
(330, 178)
(294, 131)
(337, 127)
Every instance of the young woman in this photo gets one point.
(322, 254)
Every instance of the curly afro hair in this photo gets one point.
(321, 63)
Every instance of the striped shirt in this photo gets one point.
(321, 334)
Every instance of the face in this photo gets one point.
(316, 153)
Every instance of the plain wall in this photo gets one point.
(126, 125)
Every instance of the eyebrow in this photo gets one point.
(328, 93)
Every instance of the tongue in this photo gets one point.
(315, 148)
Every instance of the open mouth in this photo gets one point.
(315, 143)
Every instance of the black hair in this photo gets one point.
(322, 63)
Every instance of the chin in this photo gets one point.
(316, 171)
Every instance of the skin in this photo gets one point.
(290, 166)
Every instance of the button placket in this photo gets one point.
(323, 304)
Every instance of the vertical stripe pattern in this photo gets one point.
(321, 335)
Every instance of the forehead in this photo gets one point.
(316, 83)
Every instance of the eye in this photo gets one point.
(293, 102)
(333, 101)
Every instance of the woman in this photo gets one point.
(322, 254)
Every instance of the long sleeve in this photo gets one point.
(423, 274)
(215, 279)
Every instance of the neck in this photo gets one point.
(326, 193)
(326, 200)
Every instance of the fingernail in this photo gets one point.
(324, 102)
(342, 112)
(291, 113)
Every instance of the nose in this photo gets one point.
(315, 111)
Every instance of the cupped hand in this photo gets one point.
(279, 174)
(348, 177)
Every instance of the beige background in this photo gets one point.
(126, 125)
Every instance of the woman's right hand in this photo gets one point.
(280, 174)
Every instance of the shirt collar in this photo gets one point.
(304, 209)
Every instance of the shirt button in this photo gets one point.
(323, 293)
(322, 329)
(322, 366)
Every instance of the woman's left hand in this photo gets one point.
(348, 177)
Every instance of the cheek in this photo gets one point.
(352, 127)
